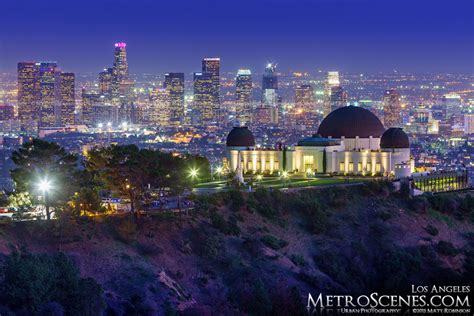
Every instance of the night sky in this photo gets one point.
(173, 35)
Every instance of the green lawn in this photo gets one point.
(273, 182)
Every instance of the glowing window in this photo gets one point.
(308, 162)
(341, 167)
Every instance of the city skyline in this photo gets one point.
(383, 37)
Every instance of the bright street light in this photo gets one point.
(100, 125)
(284, 174)
(44, 185)
(219, 170)
(259, 177)
(193, 173)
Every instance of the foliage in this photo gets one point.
(405, 191)
(314, 208)
(466, 206)
(236, 199)
(396, 267)
(298, 260)
(433, 231)
(419, 204)
(33, 281)
(21, 201)
(229, 227)
(446, 248)
(267, 203)
(38, 160)
(199, 163)
(87, 199)
(443, 202)
(132, 173)
(273, 242)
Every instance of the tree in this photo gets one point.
(119, 169)
(87, 199)
(40, 160)
(132, 173)
(324, 161)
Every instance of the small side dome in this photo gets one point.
(394, 137)
(240, 137)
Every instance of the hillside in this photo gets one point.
(262, 253)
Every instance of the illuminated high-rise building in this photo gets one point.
(159, 110)
(243, 93)
(121, 85)
(212, 66)
(392, 109)
(203, 99)
(304, 98)
(469, 123)
(105, 81)
(49, 93)
(270, 97)
(7, 112)
(28, 94)
(338, 97)
(303, 116)
(104, 114)
(174, 84)
(67, 97)
(452, 107)
(88, 101)
(332, 80)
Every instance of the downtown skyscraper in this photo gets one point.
(332, 81)
(48, 93)
(338, 97)
(159, 111)
(121, 85)
(212, 66)
(270, 98)
(174, 84)
(392, 108)
(243, 93)
(46, 96)
(203, 101)
(28, 95)
(67, 98)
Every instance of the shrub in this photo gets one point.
(236, 200)
(405, 191)
(229, 227)
(446, 248)
(298, 260)
(273, 242)
(444, 203)
(419, 204)
(433, 231)
(396, 267)
(126, 230)
(33, 281)
(206, 244)
(467, 206)
(261, 303)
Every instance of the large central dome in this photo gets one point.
(351, 121)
